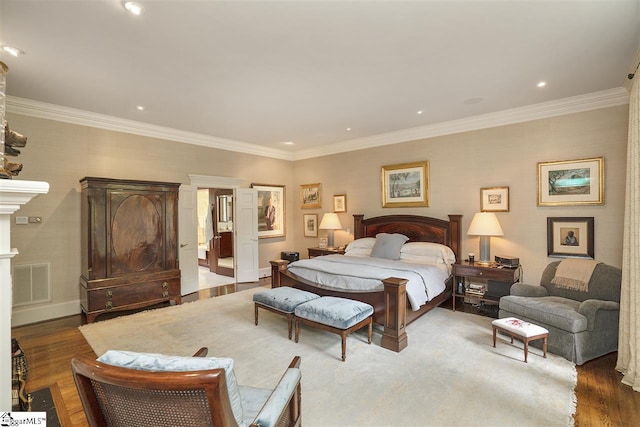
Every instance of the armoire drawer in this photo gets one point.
(117, 297)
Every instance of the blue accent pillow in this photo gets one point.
(388, 245)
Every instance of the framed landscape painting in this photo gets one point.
(271, 213)
(494, 199)
(571, 182)
(405, 185)
(570, 237)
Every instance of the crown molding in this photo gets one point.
(59, 113)
(576, 104)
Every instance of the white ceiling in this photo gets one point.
(252, 75)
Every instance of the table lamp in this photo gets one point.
(485, 225)
(330, 222)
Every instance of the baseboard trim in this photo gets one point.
(264, 272)
(24, 316)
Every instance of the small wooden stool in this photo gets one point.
(282, 300)
(338, 315)
(522, 330)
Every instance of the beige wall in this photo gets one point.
(62, 154)
(460, 165)
(463, 163)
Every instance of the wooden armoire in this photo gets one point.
(129, 245)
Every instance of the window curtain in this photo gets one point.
(629, 334)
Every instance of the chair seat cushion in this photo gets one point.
(519, 327)
(284, 298)
(161, 362)
(340, 313)
(561, 313)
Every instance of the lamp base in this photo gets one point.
(485, 250)
(330, 239)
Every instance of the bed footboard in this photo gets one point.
(389, 305)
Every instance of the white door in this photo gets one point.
(246, 233)
(188, 237)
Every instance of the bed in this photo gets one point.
(392, 307)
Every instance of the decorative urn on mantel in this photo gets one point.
(13, 194)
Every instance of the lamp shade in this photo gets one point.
(330, 221)
(484, 224)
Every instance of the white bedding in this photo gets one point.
(357, 273)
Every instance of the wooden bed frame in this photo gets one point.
(391, 308)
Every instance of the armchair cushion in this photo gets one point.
(558, 312)
(161, 362)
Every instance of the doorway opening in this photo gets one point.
(215, 237)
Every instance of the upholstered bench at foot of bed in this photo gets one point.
(338, 315)
(282, 300)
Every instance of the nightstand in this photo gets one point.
(314, 252)
(495, 275)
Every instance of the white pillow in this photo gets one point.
(420, 259)
(161, 362)
(388, 245)
(360, 247)
(427, 252)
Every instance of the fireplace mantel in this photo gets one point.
(13, 194)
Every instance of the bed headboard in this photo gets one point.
(417, 228)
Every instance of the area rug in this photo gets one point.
(449, 375)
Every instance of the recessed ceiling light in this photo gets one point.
(12, 50)
(289, 143)
(133, 7)
(140, 108)
(420, 112)
(348, 129)
(541, 84)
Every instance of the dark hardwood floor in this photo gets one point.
(49, 346)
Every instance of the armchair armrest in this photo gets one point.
(589, 309)
(523, 290)
(284, 395)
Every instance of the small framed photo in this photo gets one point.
(323, 242)
(405, 185)
(494, 199)
(271, 212)
(340, 203)
(570, 237)
(311, 196)
(310, 225)
(571, 182)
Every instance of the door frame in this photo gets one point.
(221, 182)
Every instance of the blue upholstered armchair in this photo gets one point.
(123, 388)
(582, 324)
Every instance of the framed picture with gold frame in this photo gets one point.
(494, 199)
(571, 182)
(310, 196)
(340, 203)
(405, 185)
